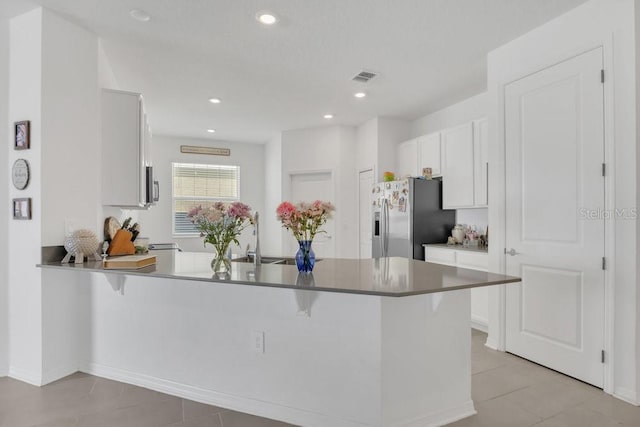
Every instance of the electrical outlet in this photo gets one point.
(257, 341)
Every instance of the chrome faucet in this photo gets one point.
(255, 254)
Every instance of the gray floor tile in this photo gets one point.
(552, 397)
(193, 410)
(499, 412)
(579, 417)
(207, 421)
(614, 408)
(508, 391)
(238, 419)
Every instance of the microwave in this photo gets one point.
(152, 187)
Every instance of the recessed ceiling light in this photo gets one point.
(328, 116)
(360, 94)
(140, 15)
(266, 18)
(215, 100)
(211, 130)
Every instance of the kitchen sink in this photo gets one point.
(269, 260)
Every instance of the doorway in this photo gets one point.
(307, 187)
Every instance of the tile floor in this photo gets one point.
(508, 391)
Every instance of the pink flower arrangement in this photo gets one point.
(221, 223)
(304, 219)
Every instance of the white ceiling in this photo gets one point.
(428, 53)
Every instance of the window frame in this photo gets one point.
(212, 199)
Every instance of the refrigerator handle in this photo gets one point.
(385, 237)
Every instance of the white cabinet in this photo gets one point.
(126, 139)
(465, 165)
(471, 260)
(457, 167)
(407, 160)
(481, 162)
(429, 153)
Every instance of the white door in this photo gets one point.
(365, 184)
(307, 187)
(554, 154)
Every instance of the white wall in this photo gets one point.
(25, 310)
(70, 109)
(322, 149)
(609, 24)
(157, 222)
(5, 131)
(465, 111)
(271, 233)
(391, 132)
(54, 84)
(367, 145)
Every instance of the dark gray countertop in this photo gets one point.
(394, 277)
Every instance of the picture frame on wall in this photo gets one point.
(22, 133)
(22, 208)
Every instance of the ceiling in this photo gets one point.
(429, 54)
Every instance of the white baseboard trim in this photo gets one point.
(629, 396)
(25, 375)
(57, 373)
(480, 324)
(444, 417)
(224, 400)
(4, 373)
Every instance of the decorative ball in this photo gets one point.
(82, 242)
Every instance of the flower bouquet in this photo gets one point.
(305, 220)
(220, 224)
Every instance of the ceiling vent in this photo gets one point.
(364, 76)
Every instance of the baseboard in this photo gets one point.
(444, 417)
(480, 324)
(25, 375)
(224, 400)
(58, 373)
(629, 396)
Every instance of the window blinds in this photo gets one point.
(196, 184)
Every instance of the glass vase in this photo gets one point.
(305, 257)
(221, 263)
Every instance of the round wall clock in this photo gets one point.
(20, 174)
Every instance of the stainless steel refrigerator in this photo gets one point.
(408, 214)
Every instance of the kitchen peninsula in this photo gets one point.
(377, 342)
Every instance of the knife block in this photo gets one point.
(121, 244)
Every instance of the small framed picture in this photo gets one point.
(22, 208)
(22, 135)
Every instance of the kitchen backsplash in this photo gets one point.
(478, 217)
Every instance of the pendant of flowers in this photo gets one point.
(305, 220)
(220, 224)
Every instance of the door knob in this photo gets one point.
(511, 252)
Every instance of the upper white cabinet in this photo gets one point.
(407, 160)
(126, 140)
(457, 167)
(481, 162)
(429, 153)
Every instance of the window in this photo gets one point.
(195, 184)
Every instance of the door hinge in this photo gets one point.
(604, 169)
(604, 263)
(602, 356)
(602, 76)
